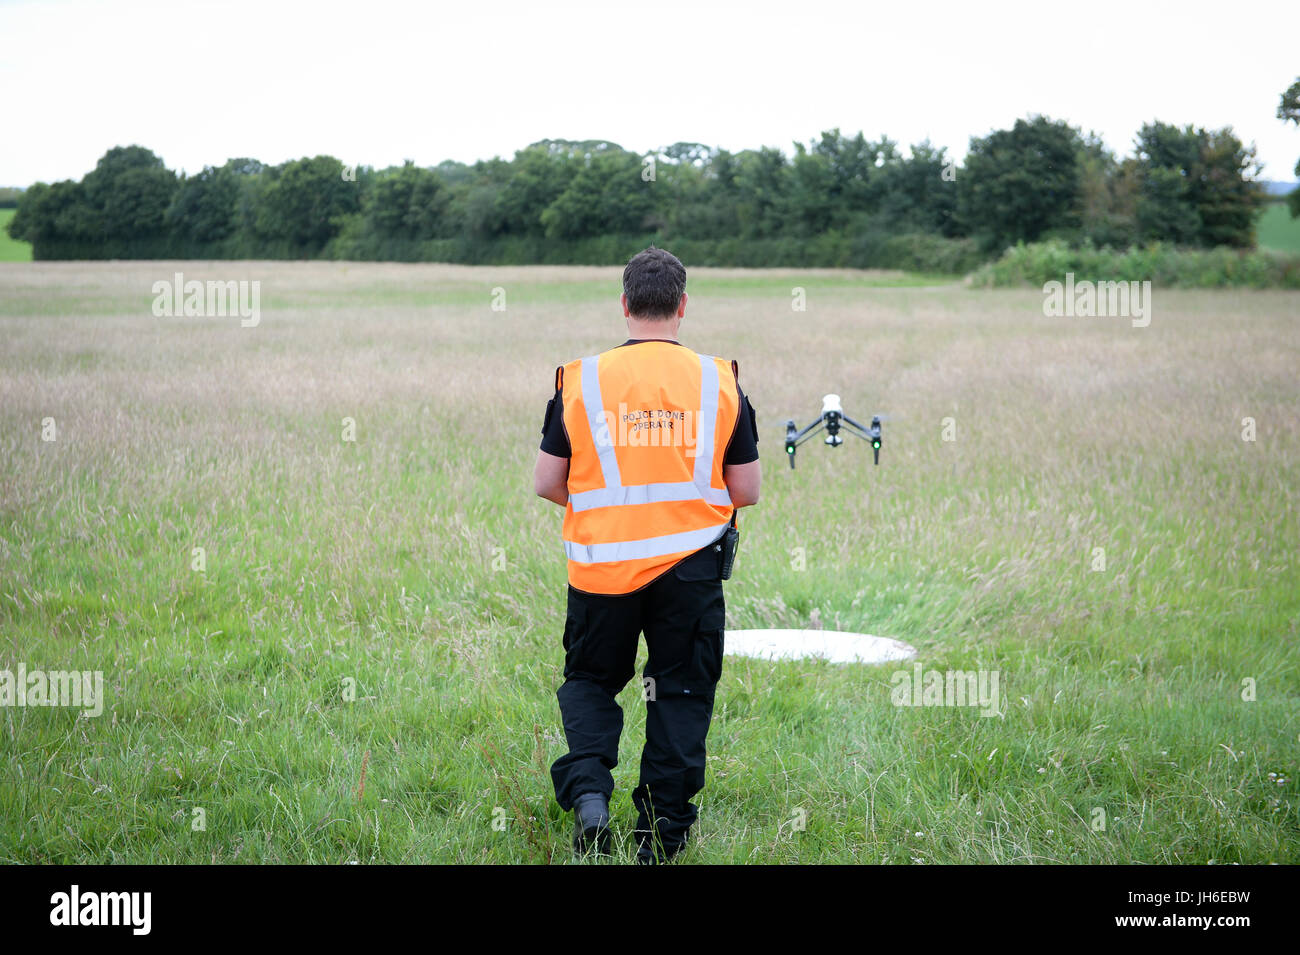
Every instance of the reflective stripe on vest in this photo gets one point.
(649, 547)
(615, 493)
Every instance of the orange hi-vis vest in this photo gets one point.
(648, 429)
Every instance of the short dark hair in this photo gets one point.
(654, 283)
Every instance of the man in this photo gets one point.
(649, 448)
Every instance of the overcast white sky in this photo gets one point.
(375, 82)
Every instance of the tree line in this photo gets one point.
(837, 200)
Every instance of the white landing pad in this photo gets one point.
(832, 645)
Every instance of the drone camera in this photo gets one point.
(832, 412)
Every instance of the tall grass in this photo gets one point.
(394, 605)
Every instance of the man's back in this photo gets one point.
(648, 426)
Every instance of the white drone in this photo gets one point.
(832, 419)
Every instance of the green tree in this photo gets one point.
(703, 197)
(129, 192)
(1165, 211)
(475, 207)
(1209, 173)
(606, 195)
(813, 194)
(27, 224)
(681, 191)
(763, 189)
(407, 203)
(206, 205)
(538, 176)
(857, 185)
(1021, 183)
(1289, 112)
(48, 215)
(307, 202)
(919, 193)
(1107, 196)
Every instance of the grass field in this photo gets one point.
(1150, 707)
(1277, 230)
(10, 249)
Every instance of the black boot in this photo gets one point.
(651, 852)
(591, 824)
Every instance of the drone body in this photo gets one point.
(833, 419)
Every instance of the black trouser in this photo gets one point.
(682, 614)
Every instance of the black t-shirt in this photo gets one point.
(741, 449)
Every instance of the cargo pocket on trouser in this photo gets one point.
(706, 655)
